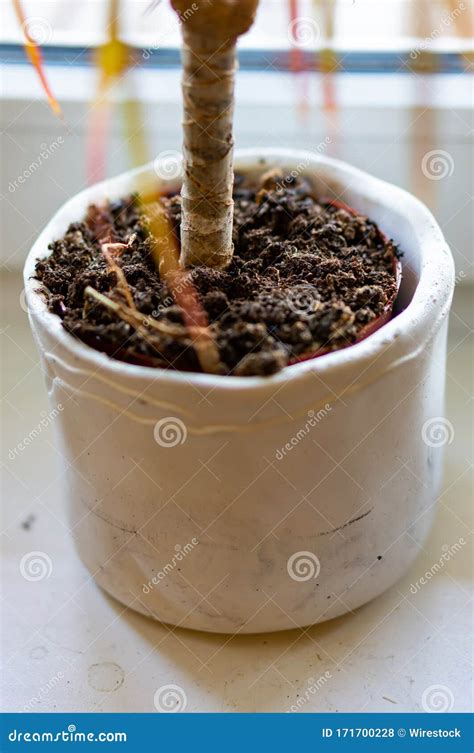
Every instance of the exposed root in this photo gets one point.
(165, 253)
(110, 251)
(138, 321)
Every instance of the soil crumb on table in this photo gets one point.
(306, 276)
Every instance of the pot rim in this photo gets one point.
(429, 304)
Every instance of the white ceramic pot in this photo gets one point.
(258, 504)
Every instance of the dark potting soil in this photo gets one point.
(306, 275)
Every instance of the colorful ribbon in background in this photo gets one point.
(35, 57)
(329, 65)
(115, 62)
(423, 17)
(424, 123)
(322, 28)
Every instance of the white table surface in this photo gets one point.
(67, 646)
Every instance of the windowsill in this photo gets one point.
(358, 90)
(384, 124)
(390, 57)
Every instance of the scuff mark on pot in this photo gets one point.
(345, 525)
(108, 519)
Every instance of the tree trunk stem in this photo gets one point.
(208, 93)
